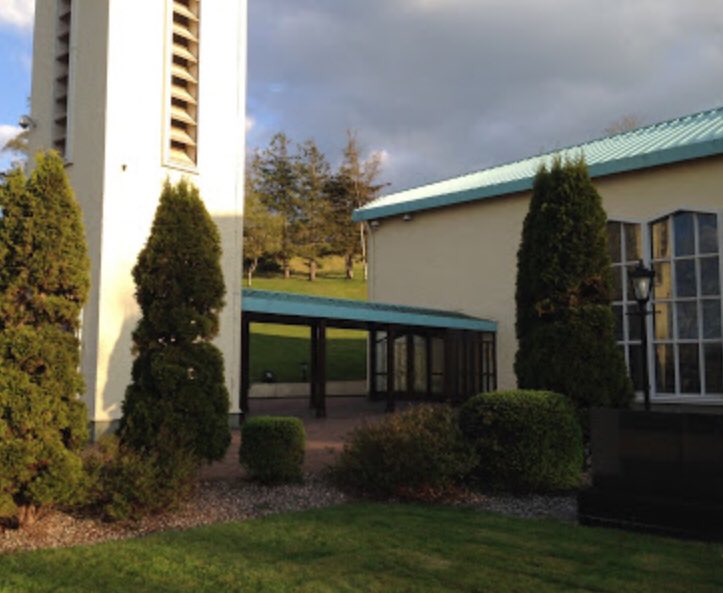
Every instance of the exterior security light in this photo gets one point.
(642, 279)
(26, 122)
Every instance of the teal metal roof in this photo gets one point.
(685, 138)
(299, 305)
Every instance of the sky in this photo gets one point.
(444, 87)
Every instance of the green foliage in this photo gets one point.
(44, 282)
(354, 185)
(272, 448)
(564, 323)
(126, 485)
(526, 440)
(276, 176)
(262, 230)
(416, 454)
(177, 398)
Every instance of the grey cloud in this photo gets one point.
(449, 86)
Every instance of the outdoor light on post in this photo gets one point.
(642, 279)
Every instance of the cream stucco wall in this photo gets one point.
(117, 134)
(464, 258)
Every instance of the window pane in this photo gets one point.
(661, 239)
(663, 281)
(707, 233)
(685, 278)
(664, 369)
(684, 234)
(663, 321)
(687, 320)
(713, 368)
(709, 276)
(633, 242)
(400, 363)
(437, 384)
(381, 382)
(381, 352)
(636, 369)
(689, 368)
(437, 355)
(711, 319)
(614, 242)
(633, 318)
(420, 364)
(618, 316)
(617, 275)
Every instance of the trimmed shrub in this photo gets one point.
(126, 485)
(44, 282)
(526, 440)
(417, 454)
(565, 326)
(177, 398)
(272, 448)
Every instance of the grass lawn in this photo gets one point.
(375, 548)
(282, 348)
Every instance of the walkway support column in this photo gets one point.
(313, 378)
(245, 367)
(321, 371)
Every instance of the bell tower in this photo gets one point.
(131, 93)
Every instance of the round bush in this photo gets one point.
(272, 448)
(416, 454)
(526, 440)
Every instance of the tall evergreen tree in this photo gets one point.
(565, 327)
(177, 399)
(354, 185)
(278, 188)
(44, 282)
(262, 228)
(314, 228)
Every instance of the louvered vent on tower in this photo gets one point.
(184, 83)
(62, 77)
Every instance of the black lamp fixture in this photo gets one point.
(642, 280)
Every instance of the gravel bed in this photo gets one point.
(224, 500)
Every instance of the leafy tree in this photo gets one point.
(277, 185)
(262, 228)
(177, 400)
(44, 282)
(314, 208)
(353, 186)
(564, 319)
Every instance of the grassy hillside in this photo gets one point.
(282, 349)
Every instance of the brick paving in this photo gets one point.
(324, 436)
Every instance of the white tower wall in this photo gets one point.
(117, 152)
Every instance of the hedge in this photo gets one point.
(272, 448)
(526, 440)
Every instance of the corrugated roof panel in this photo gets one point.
(299, 305)
(688, 137)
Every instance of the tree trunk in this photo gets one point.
(27, 515)
(349, 265)
(312, 270)
(287, 270)
(252, 268)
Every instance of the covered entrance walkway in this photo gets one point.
(412, 352)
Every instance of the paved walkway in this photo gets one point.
(324, 436)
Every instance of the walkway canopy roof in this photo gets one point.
(268, 305)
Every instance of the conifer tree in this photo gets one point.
(565, 327)
(314, 230)
(44, 282)
(277, 184)
(177, 399)
(262, 228)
